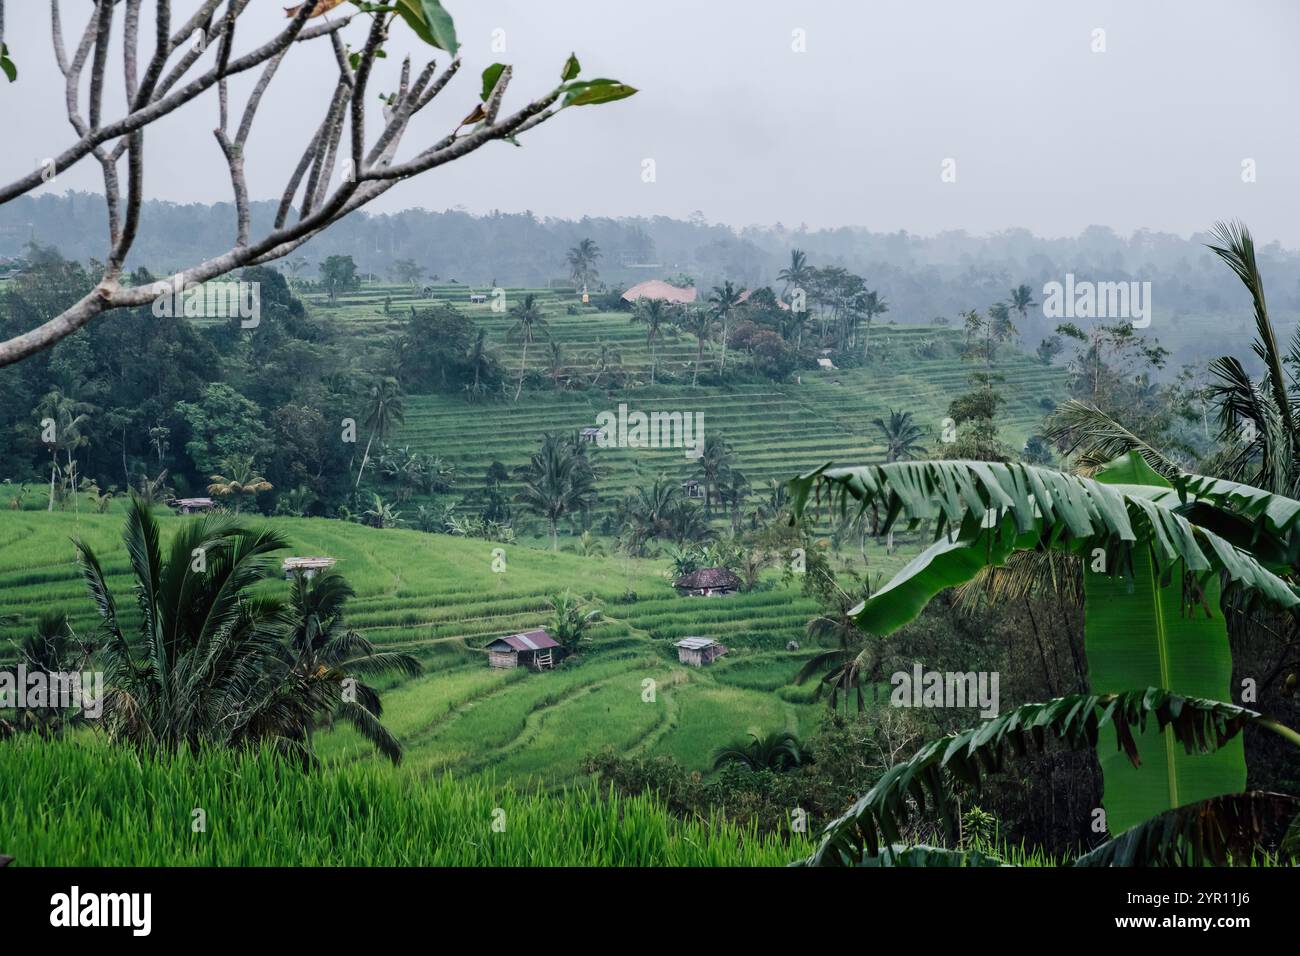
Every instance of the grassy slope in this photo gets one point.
(436, 596)
(114, 808)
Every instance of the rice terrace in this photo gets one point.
(406, 471)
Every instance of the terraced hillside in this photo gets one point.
(438, 597)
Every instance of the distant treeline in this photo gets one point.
(922, 277)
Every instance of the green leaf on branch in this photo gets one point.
(431, 23)
(7, 65)
(490, 78)
(590, 92)
(571, 68)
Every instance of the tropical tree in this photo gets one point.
(725, 300)
(604, 358)
(206, 667)
(407, 272)
(648, 511)
(848, 662)
(872, 305)
(582, 262)
(716, 460)
(1022, 300)
(529, 324)
(557, 481)
(338, 274)
(798, 274)
(330, 657)
(1149, 547)
(700, 323)
(239, 478)
(571, 619)
(653, 314)
(901, 436)
(66, 419)
(380, 514)
(53, 649)
(778, 750)
(386, 410)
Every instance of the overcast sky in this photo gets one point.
(1045, 133)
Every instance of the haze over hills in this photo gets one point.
(1199, 309)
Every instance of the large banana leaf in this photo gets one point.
(984, 511)
(1147, 631)
(1152, 611)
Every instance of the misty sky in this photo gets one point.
(1046, 134)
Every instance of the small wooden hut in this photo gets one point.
(533, 649)
(190, 506)
(698, 651)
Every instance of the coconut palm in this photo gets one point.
(329, 656)
(68, 418)
(387, 410)
(603, 358)
(529, 324)
(725, 300)
(700, 323)
(1022, 300)
(653, 314)
(798, 274)
(849, 661)
(582, 262)
(206, 667)
(713, 466)
(239, 478)
(872, 305)
(779, 750)
(901, 436)
(557, 481)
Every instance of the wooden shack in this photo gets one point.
(708, 582)
(533, 649)
(692, 488)
(591, 434)
(190, 506)
(307, 566)
(698, 651)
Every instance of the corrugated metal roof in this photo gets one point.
(695, 643)
(537, 640)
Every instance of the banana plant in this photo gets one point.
(1158, 556)
(1220, 830)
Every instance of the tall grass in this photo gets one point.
(82, 802)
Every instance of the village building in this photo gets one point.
(477, 298)
(657, 289)
(698, 651)
(590, 434)
(708, 582)
(190, 506)
(306, 566)
(534, 649)
(692, 488)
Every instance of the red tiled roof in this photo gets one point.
(658, 289)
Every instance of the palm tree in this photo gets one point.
(713, 466)
(329, 656)
(53, 649)
(604, 357)
(68, 417)
(725, 300)
(589, 546)
(779, 750)
(1022, 300)
(207, 665)
(571, 620)
(387, 410)
(558, 480)
(798, 274)
(529, 321)
(647, 511)
(555, 362)
(699, 323)
(481, 360)
(652, 313)
(240, 479)
(582, 262)
(843, 668)
(900, 435)
(872, 305)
